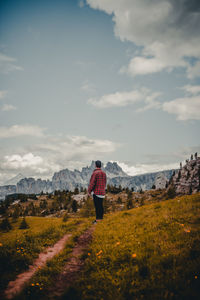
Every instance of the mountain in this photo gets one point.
(15, 179)
(187, 179)
(68, 180)
(32, 186)
(144, 181)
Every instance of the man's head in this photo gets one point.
(98, 164)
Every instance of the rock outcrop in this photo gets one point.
(160, 181)
(187, 179)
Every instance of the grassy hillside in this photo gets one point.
(18, 248)
(149, 252)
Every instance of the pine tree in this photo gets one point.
(119, 200)
(74, 206)
(5, 225)
(76, 191)
(23, 224)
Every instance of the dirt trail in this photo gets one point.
(72, 267)
(16, 286)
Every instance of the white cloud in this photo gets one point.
(16, 161)
(54, 154)
(120, 99)
(8, 107)
(72, 147)
(87, 86)
(139, 169)
(187, 108)
(192, 89)
(3, 94)
(8, 64)
(21, 130)
(167, 31)
(151, 102)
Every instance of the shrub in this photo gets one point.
(65, 217)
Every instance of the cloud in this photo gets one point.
(72, 147)
(138, 169)
(41, 160)
(8, 64)
(21, 130)
(166, 30)
(3, 94)
(88, 87)
(16, 161)
(187, 108)
(192, 89)
(8, 107)
(120, 99)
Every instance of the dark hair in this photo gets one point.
(98, 164)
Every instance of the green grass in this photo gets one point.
(150, 252)
(37, 287)
(18, 248)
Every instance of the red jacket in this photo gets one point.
(97, 182)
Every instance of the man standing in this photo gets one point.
(98, 186)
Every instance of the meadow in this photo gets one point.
(147, 252)
(19, 248)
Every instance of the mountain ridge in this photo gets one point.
(67, 180)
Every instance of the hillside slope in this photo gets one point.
(149, 252)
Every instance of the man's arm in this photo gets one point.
(92, 183)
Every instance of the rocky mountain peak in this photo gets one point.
(113, 170)
(14, 179)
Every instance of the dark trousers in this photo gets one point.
(98, 203)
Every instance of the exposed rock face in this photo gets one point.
(68, 180)
(32, 186)
(6, 190)
(113, 170)
(138, 182)
(187, 179)
(160, 181)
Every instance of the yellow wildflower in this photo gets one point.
(1, 244)
(118, 243)
(37, 283)
(195, 277)
(134, 255)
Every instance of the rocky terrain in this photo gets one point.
(68, 180)
(187, 179)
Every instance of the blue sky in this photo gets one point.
(111, 80)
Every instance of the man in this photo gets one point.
(97, 186)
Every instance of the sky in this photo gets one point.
(115, 80)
